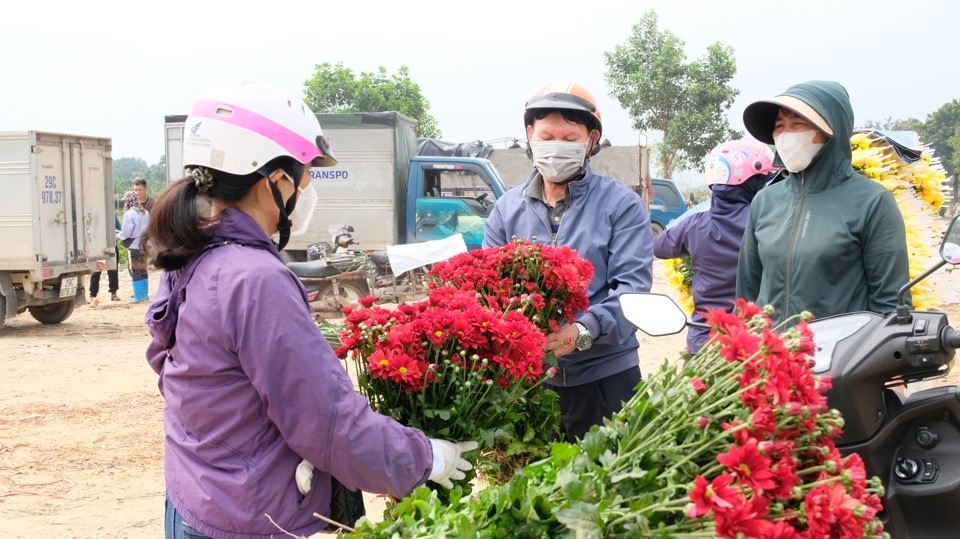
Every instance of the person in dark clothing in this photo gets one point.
(826, 240)
(736, 171)
(113, 278)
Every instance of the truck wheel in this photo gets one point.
(350, 294)
(656, 228)
(53, 313)
(3, 309)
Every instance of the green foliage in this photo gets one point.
(937, 132)
(954, 143)
(335, 88)
(125, 169)
(697, 195)
(687, 102)
(525, 435)
(891, 124)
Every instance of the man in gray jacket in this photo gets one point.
(565, 203)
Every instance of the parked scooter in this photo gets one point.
(912, 442)
(333, 275)
(337, 274)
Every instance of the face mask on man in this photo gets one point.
(558, 161)
(797, 150)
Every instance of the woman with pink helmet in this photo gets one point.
(736, 170)
(253, 390)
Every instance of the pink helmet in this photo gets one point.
(736, 161)
(239, 126)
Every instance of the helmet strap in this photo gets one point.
(286, 209)
(283, 225)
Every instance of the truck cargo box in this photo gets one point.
(56, 219)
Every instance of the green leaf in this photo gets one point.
(582, 518)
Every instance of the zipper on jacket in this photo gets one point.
(793, 242)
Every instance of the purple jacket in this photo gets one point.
(712, 240)
(251, 387)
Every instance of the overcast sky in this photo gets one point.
(114, 69)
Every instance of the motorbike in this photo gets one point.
(333, 275)
(336, 274)
(910, 440)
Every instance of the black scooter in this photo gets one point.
(911, 442)
(334, 276)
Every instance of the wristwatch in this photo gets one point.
(585, 339)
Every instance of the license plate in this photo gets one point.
(68, 287)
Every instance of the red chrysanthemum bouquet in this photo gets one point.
(547, 284)
(467, 362)
(736, 442)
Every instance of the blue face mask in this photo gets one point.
(559, 161)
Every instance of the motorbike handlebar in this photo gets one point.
(950, 339)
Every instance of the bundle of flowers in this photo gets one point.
(679, 272)
(735, 442)
(547, 284)
(917, 185)
(468, 361)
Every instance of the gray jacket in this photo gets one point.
(608, 224)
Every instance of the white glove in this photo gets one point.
(304, 476)
(447, 463)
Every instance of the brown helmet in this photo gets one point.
(563, 94)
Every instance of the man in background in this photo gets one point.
(140, 189)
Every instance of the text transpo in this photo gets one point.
(329, 174)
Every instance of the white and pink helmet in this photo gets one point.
(736, 161)
(238, 127)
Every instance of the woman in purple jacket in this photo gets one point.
(736, 171)
(251, 386)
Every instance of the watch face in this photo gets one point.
(584, 341)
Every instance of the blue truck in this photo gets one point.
(666, 204)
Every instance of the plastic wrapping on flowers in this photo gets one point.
(468, 362)
(735, 442)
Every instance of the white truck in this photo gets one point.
(380, 186)
(57, 221)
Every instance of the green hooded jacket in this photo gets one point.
(825, 240)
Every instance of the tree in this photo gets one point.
(687, 102)
(937, 130)
(335, 88)
(129, 167)
(125, 169)
(954, 143)
(910, 124)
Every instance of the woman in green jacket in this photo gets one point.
(826, 240)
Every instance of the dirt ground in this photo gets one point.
(81, 428)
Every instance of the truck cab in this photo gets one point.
(450, 195)
(666, 204)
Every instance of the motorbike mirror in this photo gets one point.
(950, 249)
(654, 314)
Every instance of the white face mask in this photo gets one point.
(303, 212)
(558, 161)
(797, 150)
